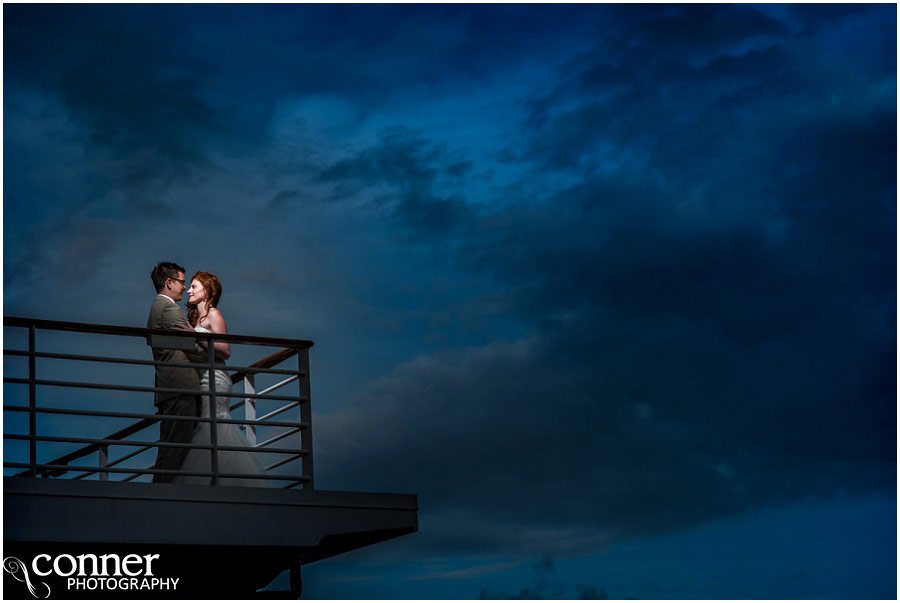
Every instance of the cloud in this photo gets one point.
(543, 588)
(674, 93)
(415, 172)
(466, 572)
(152, 129)
(697, 345)
(609, 426)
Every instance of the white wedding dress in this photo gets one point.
(227, 434)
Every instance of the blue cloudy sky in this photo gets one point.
(611, 288)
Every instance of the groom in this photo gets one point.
(165, 313)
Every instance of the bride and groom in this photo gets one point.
(204, 292)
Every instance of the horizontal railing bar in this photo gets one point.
(280, 436)
(135, 388)
(272, 388)
(222, 367)
(271, 360)
(243, 476)
(248, 396)
(131, 454)
(268, 361)
(122, 433)
(295, 483)
(186, 473)
(58, 325)
(156, 472)
(278, 411)
(101, 469)
(97, 442)
(69, 440)
(293, 457)
(137, 415)
(52, 468)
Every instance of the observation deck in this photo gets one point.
(79, 448)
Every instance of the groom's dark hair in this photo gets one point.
(163, 272)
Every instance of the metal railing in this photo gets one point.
(63, 467)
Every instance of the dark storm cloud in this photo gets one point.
(615, 426)
(674, 86)
(154, 97)
(74, 258)
(137, 96)
(544, 587)
(712, 317)
(416, 172)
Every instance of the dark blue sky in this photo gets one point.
(612, 288)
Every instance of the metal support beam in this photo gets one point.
(32, 403)
(211, 408)
(305, 417)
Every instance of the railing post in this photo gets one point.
(103, 452)
(306, 463)
(105, 463)
(32, 403)
(250, 409)
(213, 431)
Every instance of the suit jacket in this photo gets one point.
(165, 314)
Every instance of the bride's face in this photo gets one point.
(197, 293)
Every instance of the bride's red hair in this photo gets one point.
(213, 289)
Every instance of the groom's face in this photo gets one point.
(176, 286)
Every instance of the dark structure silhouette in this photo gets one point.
(220, 541)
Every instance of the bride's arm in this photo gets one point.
(217, 325)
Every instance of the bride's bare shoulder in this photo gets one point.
(215, 318)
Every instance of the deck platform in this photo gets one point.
(223, 542)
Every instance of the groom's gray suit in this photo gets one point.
(166, 314)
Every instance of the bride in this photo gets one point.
(203, 297)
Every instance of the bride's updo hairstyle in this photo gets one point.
(213, 289)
